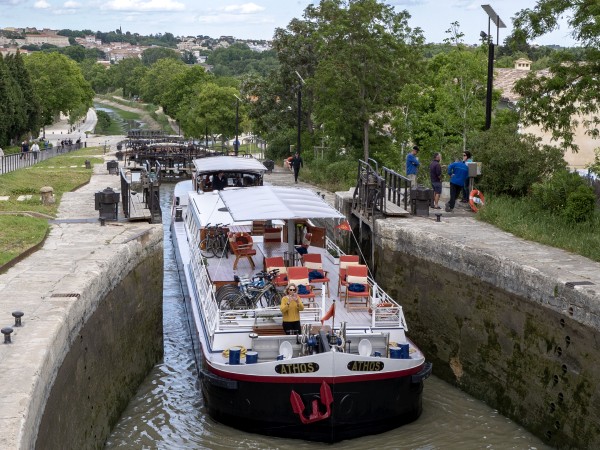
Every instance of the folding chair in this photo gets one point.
(313, 262)
(356, 277)
(298, 276)
(345, 261)
(277, 262)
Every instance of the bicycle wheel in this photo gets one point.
(233, 301)
(269, 297)
(206, 248)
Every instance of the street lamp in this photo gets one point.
(492, 16)
(299, 110)
(236, 144)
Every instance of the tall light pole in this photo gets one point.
(492, 16)
(236, 143)
(299, 111)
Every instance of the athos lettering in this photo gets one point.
(288, 369)
(365, 366)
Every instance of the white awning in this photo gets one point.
(213, 164)
(276, 202)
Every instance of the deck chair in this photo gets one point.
(272, 234)
(241, 245)
(313, 262)
(276, 262)
(345, 261)
(299, 276)
(303, 249)
(358, 288)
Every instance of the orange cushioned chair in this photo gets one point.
(345, 261)
(242, 247)
(276, 262)
(298, 276)
(313, 261)
(272, 234)
(357, 275)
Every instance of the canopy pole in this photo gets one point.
(291, 234)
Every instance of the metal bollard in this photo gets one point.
(438, 217)
(17, 315)
(88, 164)
(6, 332)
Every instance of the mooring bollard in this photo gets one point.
(17, 315)
(6, 332)
(438, 217)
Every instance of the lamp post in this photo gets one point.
(236, 143)
(492, 16)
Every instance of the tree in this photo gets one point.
(184, 85)
(59, 84)
(558, 102)
(158, 79)
(28, 99)
(127, 74)
(366, 52)
(212, 108)
(8, 104)
(96, 74)
(153, 54)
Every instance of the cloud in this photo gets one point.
(246, 8)
(407, 3)
(72, 5)
(41, 4)
(144, 5)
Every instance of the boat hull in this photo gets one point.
(357, 408)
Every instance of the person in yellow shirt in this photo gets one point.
(291, 305)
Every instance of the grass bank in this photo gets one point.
(22, 225)
(517, 217)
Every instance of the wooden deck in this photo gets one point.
(221, 272)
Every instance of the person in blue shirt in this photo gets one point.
(458, 172)
(412, 166)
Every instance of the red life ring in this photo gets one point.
(476, 200)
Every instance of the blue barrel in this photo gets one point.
(404, 351)
(234, 355)
(395, 353)
(251, 357)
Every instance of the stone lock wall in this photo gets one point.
(109, 357)
(500, 332)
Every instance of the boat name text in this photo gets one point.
(286, 369)
(365, 366)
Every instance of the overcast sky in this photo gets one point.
(255, 19)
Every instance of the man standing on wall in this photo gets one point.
(412, 166)
(435, 174)
(458, 172)
(296, 163)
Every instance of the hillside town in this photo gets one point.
(23, 39)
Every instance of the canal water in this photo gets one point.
(168, 411)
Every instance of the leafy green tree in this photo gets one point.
(159, 77)
(570, 94)
(96, 74)
(28, 99)
(366, 52)
(154, 54)
(188, 57)
(59, 84)
(184, 85)
(127, 75)
(8, 104)
(211, 109)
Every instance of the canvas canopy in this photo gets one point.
(275, 202)
(214, 164)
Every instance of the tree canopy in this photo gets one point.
(568, 94)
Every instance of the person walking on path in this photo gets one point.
(24, 150)
(458, 172)
(35, 148)
(435, 174)
(466, 159)
(412, 166)
(296, 163)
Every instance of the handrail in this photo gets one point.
(16, 161)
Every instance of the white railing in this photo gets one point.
(203, 288)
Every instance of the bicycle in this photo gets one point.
(215, 242)
(249, 294)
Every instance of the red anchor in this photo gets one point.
(326, 400)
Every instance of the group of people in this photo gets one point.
(25, 149)
(458, 172)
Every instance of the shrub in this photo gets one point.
(580, 205)
(552, 193)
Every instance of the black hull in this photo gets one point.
(358, 408)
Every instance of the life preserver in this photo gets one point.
(242, 351)
(330, 313)
(476, 200)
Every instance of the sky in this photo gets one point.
(256, 19)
